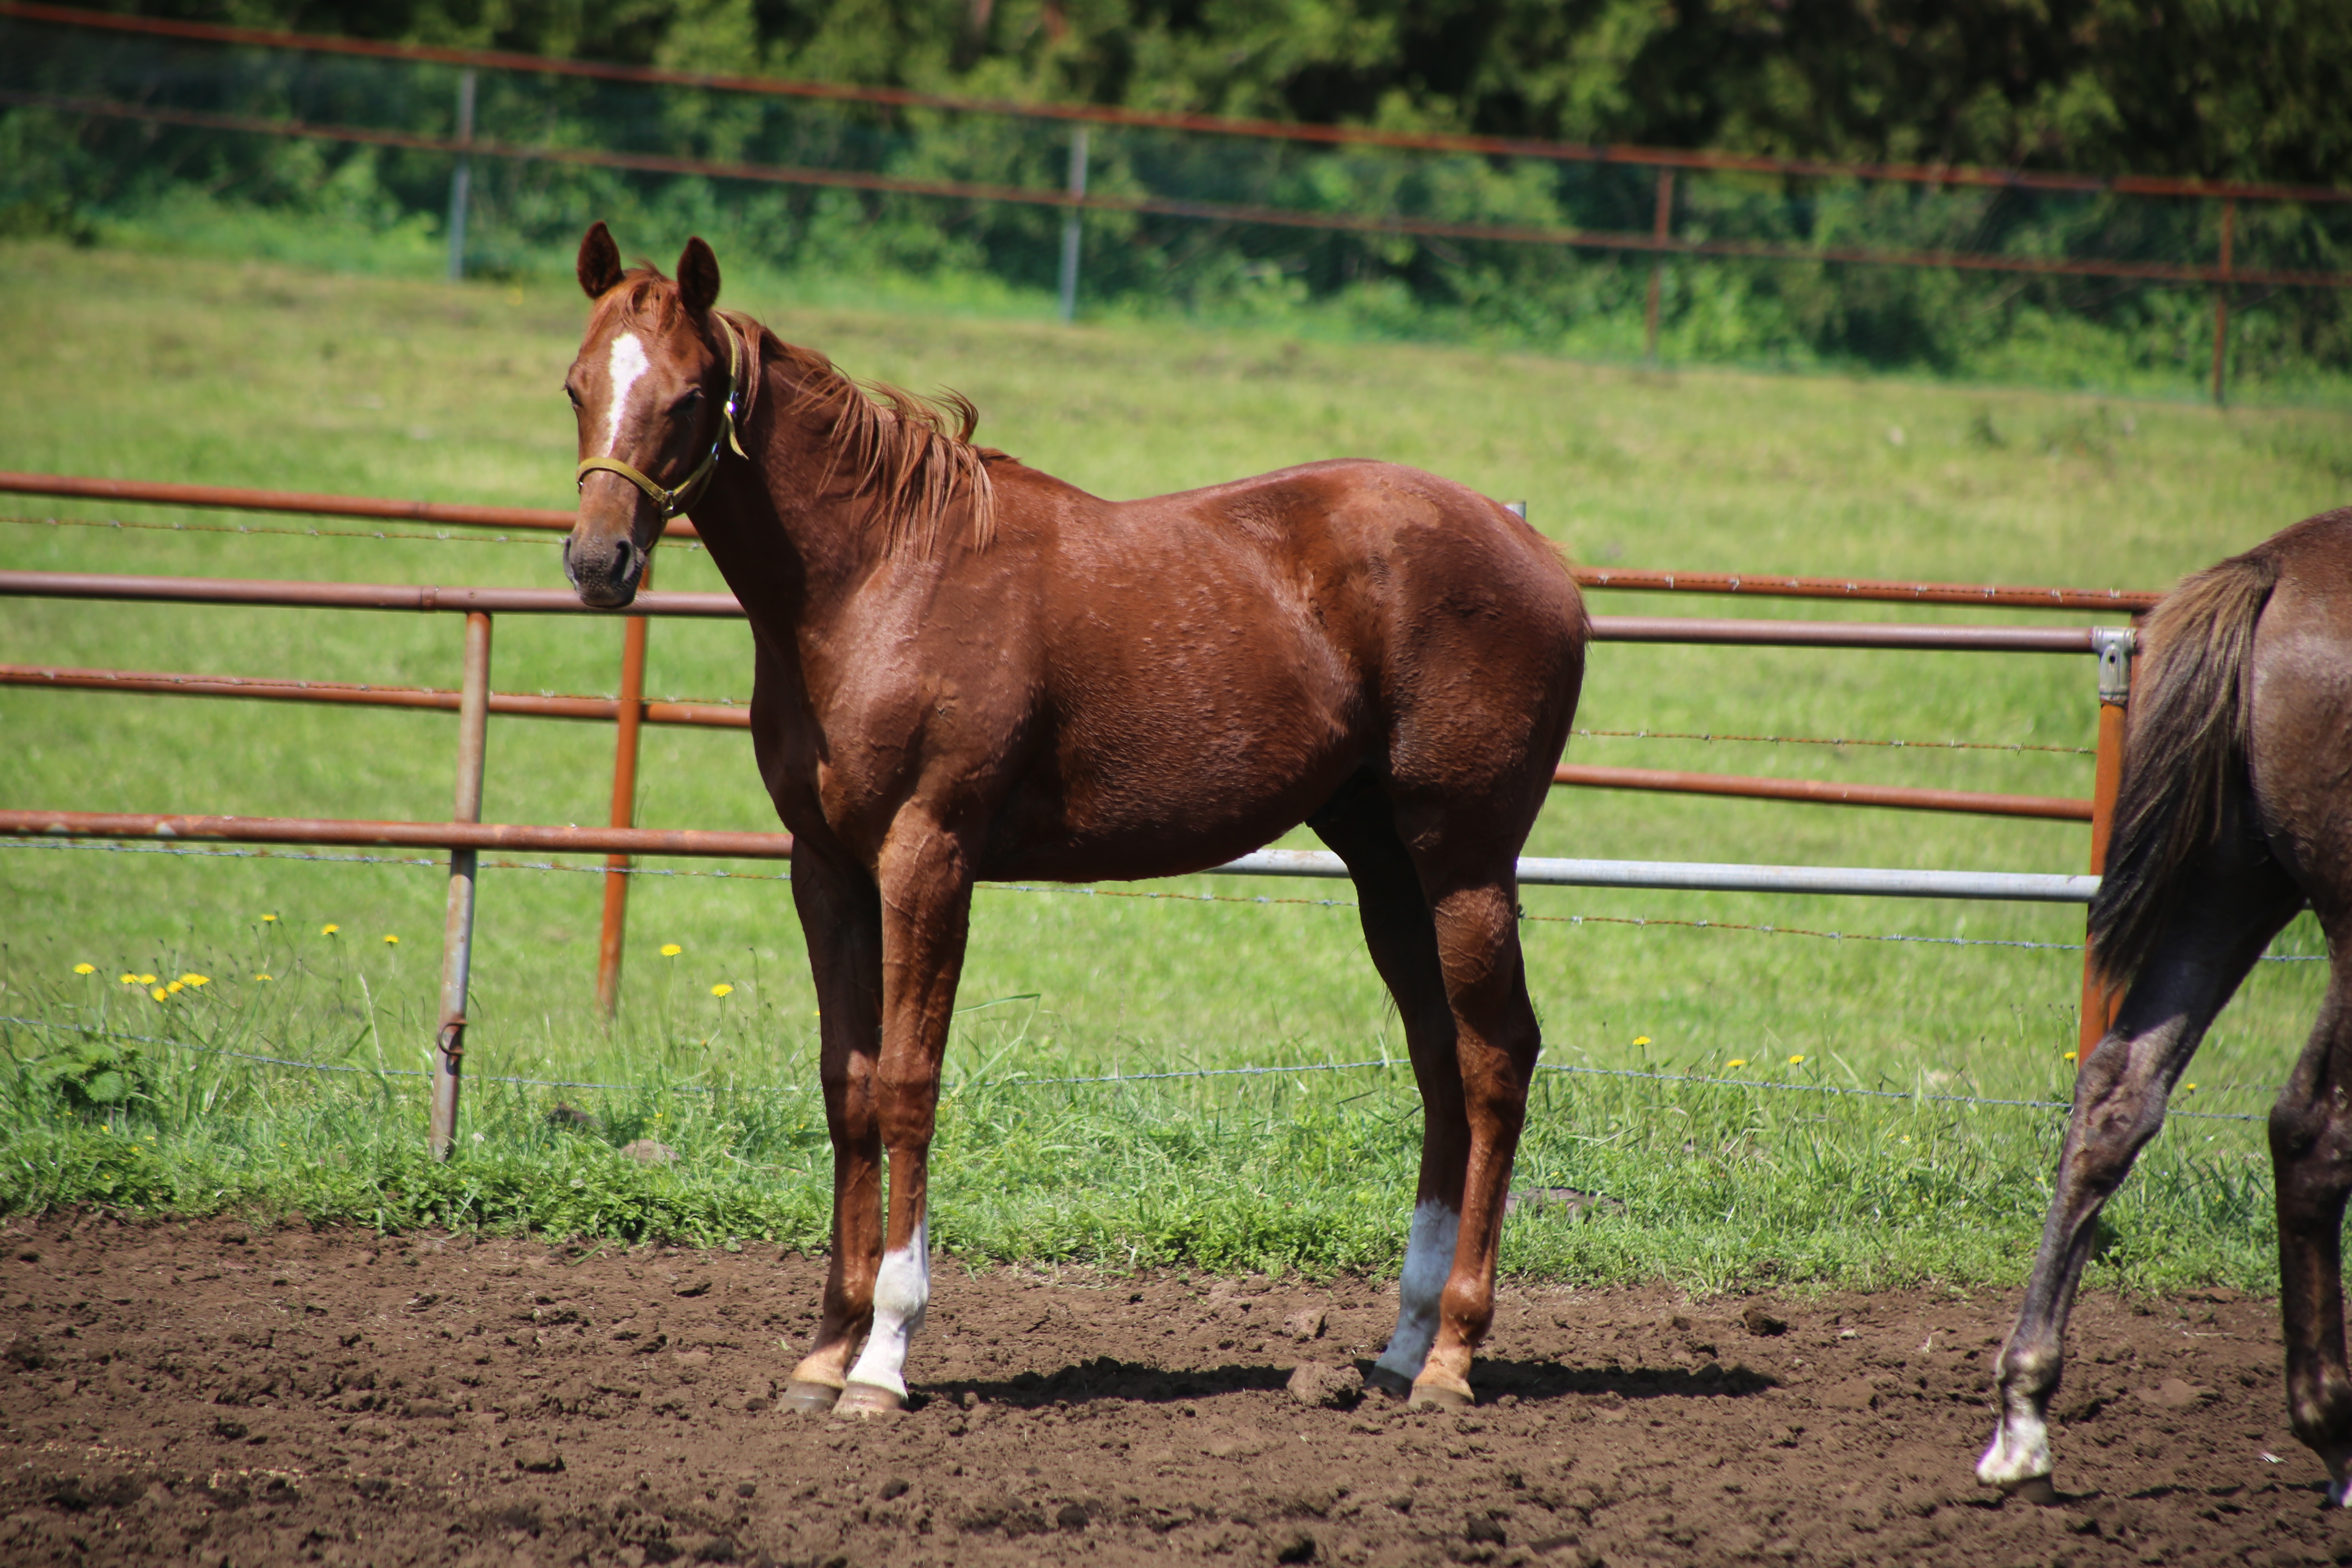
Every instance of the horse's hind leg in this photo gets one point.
(2311, 1152)
(1360, 829)
(2225, 918)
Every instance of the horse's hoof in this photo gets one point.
(2039, 1490)
(1395, 1385)
(1429, 1394)
(864, 1400)
(809, 1398)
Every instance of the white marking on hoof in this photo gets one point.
(902, 1292)
(2019, 1451)
(1428, 1259)
(627, 362)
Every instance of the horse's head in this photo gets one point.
(654, 388)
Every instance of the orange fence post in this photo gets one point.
(458, 926)
(632, 717)
(2100, 1000)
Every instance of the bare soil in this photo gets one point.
(225, 1396)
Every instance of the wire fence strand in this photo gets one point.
(437, 537)
(1024, 1081)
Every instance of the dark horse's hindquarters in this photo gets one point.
(2236, 808)
(969, 669)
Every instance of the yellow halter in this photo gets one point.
(674, 502)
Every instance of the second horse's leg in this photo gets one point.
(926, 883)
(2226, 919)
(2311, 1150)
(841, 916)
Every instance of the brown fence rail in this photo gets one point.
(1269, 129)
(1752, 585)
(723, 716)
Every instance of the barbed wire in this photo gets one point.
(437, 537)
(227, 853)
(1024, 1081)
(1825, 741)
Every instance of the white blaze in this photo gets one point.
(1428, 1260)
(627, 364)
(902, 1290)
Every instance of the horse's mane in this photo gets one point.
(909, 459)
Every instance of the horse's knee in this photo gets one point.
(1469, 1306)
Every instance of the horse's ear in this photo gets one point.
(600, 260)
(698, 276)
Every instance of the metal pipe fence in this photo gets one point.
(1034, 158)
(464, 837)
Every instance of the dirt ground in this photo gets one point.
(225, 1396)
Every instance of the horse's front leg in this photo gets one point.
(841, 916)
(926, 882)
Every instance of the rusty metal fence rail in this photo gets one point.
(464, 836)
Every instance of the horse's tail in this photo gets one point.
(2185, 757)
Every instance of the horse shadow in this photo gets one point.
(1106, 1379)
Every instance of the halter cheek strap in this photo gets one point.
(674, 502)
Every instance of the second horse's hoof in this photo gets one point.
(1432, 1395)
(1395, 1385)
(810, 1398)
(863, 1399)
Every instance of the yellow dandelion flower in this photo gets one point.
(130, 980)
(1736, 1062)
(145, 980)
(85, 969)
(261, 978)
(671, 950)
(269, 920)
(391, 940)
(195, 979)
(2072, 1056)
(176, 988)
(722, 989)
(160, 994)
(106, 1127)
(1640, 1039)
(2188, 1086)
(1796, 1061)
(330, 929)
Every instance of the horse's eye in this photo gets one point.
(572, 393)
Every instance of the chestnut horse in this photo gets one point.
(966, 669)
(2236, 809)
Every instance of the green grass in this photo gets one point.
(158, 366)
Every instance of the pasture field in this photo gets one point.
(170, 367)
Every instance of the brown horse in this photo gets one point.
(967, 669)
(2236, 809)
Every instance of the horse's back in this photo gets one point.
(1218, 662)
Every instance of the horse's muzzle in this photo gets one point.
(604, 573)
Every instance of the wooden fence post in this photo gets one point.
(1661, 229)
(2221, 306)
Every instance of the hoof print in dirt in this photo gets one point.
(1327, 1387)
(1763, 1324)
(1071, 1516)
(26, 1353)
(1485, 1530)
(716, 1548)
(1296, 1547)
(76, 1496)
(538, 1459)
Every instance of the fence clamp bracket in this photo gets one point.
(2114, 646)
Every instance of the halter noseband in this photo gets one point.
(674, 502)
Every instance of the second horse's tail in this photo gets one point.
(2185, 754)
